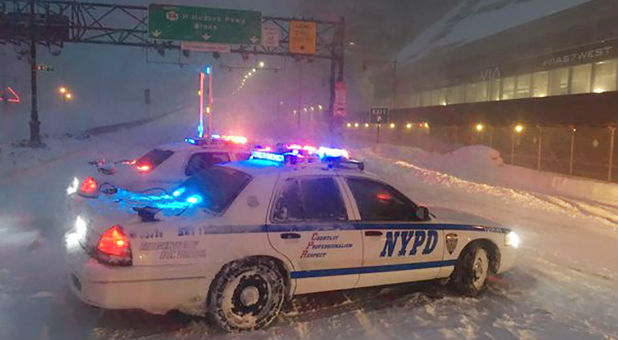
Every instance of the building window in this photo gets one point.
(482, 93)
(580, 78)
(522, 89)
(508, 88)
(426, 98)
(539, 84)
(559, 81)
(438, 96)
(470, 92)
(455, 94)
(415, 100)
(494, 92)
(605, 76)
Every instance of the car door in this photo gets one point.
(309, 224)
(397, 247)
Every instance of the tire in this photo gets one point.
(472, 270)
(247, 295)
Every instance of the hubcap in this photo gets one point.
(480, 268)
(249, 296)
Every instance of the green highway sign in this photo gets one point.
(216, 25)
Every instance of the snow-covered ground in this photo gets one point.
(564, 286)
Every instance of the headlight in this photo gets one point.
(72, 188)
(512, 239)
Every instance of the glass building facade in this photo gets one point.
(595, 77)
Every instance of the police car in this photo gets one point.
(238, 239)
(161, 168)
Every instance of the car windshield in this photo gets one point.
(154, 157)
(214, 188)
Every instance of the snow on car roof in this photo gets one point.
(258, 167)
(181, 146)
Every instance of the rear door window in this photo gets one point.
(378, 201)
(309, 199)
(204, 160)
(242, 156)
(154, 158)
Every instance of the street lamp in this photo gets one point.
(68, 96)
(392, 126)
(409, 126)
(519, 128)
(261, 64)
(62, 90)
(480, 127)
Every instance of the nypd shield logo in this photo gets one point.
(451, 242)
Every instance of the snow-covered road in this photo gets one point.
(564, 286)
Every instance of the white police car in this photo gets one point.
(162, 168)
(240, 238)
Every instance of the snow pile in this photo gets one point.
(483, 164)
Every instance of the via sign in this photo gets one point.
(201, 24)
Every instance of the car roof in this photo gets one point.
(258, 167)
(182, 146)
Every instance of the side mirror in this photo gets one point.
(422, 213)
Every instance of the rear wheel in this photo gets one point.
(471, 271)
(247, 295)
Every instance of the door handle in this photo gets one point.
(289, 236)
(373, 233)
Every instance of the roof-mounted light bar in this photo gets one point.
(324, 152)
(268, 156)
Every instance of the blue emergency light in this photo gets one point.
(207, 69)
(191, 141)
(324, 152)
(275, 157)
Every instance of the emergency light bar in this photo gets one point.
(324, 152)
(269, 156)
(231, 139)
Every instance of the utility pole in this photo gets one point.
(35, 137)
(394, 84)
(300, 95)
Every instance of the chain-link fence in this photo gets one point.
(579, 151)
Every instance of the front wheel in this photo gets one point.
(247, 295)
(471, 271)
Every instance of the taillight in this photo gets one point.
(143, 167)
(114, 247)
(88, 187)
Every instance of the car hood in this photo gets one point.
(452, 216)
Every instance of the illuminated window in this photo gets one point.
(539, 84)
(494, 92)
(605, 76)
(415, 99)
(580, 78)
(455, 94)
(482, 92)
(559, 81)
(522, 89)
(508, 87)
(426, 98)
(438, 97)
(470, 93)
